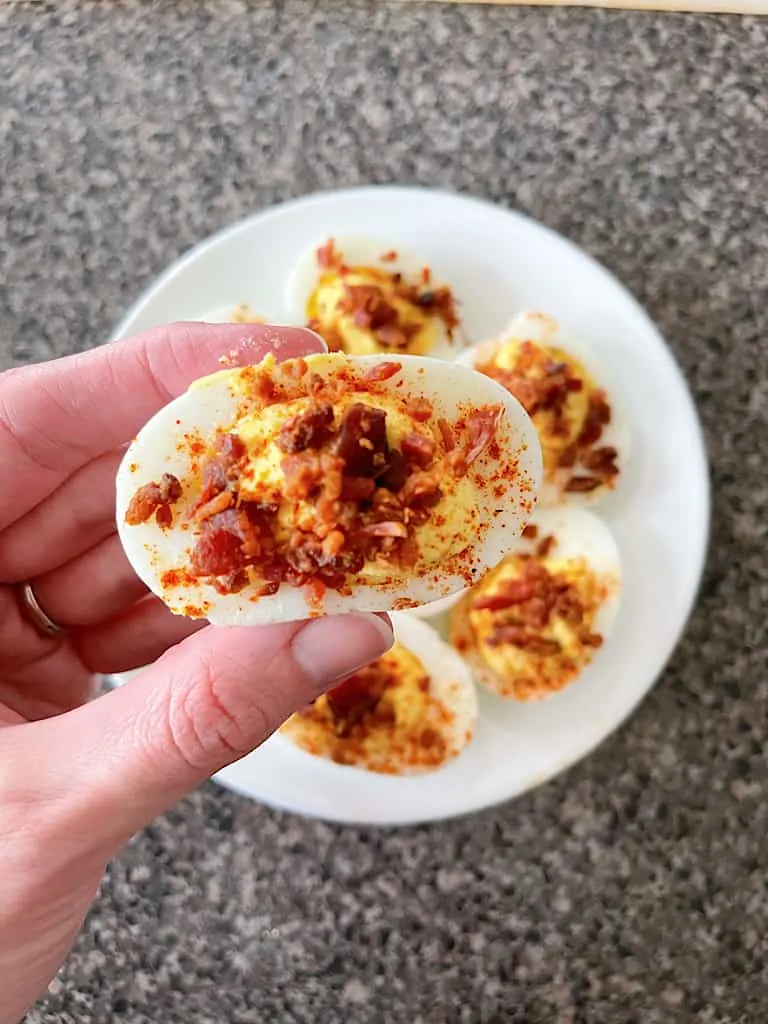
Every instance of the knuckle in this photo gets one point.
(205, 727)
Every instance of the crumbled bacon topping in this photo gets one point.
(154, 499)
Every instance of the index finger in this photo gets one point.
(55, 417)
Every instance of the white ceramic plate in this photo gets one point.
(499, 262)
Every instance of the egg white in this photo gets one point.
(212, 403)
(358, 250)
(544, 330)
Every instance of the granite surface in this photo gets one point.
(633, 889)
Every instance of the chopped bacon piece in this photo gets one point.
(362, 441)
(385, 529)
(357, 488)
(418, 449)
(394, 476)
(598, 416)
(153, 497)
(514, 592)
(480, 431)
(389, 257)
(583, 484)
(368, 306)
(421, 489)
(219, 503)
(420, 408)
(392, 336)
(310, 429)
(601, 460)
(446, 432)
(356, 697)
(545, 546)
(218, 551)
(381, 371)
(531, 531)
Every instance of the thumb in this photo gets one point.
(112, 765)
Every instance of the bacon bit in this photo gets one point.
(598, 416)
(328, 257)
(164, 516)
(421, 489)
(389, 257)
(583, 484)
(531, 531)
(446, 432)
(418, 449)
(356, 697)
(592, 640)
(367, 305)
(218, 551)
(385, 529)
(151, 499)
(426, 275)
(392, 336)
(310, 429)
(545, 546)
(480, 429)
(232, 583)
(514, 592)
(381, 371)
(357, 488)
(363, 423)
(419, 408)
(601, 460)
(219, 503)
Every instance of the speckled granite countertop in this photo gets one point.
(635, 888)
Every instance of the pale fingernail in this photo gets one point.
(331, 648)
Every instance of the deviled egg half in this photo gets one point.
(410, 711)
(365, 297)
(583, 434)
(285, 490)
(533, 624)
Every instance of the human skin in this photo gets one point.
(79, 776)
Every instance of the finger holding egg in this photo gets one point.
(583, 433)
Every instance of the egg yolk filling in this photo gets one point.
(366, 310)
(569, 412)
(327, 482)
(383, 717)
(531, 622)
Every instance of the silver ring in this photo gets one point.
(35, 614)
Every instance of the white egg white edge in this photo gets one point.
(357, 250)
(543, 329)
(212, 404)
(451, 684)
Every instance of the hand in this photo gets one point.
(79, 777)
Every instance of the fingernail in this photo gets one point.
(331, 648)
